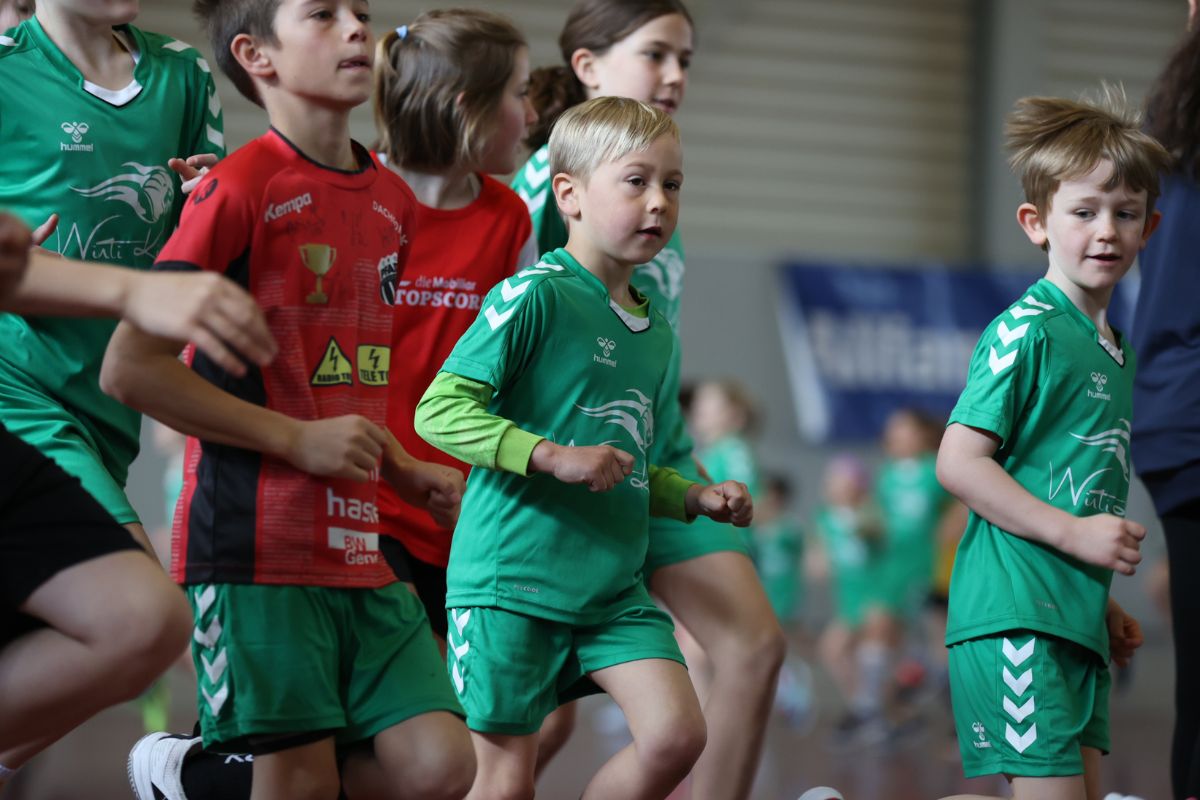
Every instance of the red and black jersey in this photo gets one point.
(460, 255)
(319, 249)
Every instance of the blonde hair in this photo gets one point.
(605, 129)
(1051, 139)
(420, 76)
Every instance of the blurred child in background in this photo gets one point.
(854, 646)
(723, 419)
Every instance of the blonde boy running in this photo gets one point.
(553, 392)
(1038, 448)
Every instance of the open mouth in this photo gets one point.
(654, 231)
(667, 105)
(1106, 257)
(358, 62)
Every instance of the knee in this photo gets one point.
(675, 746)
(754, 651)
(154, 631)
(444, 774)
(507, 788)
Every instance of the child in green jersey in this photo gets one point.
(642, 49)
(854, 646)
(92, 109)
(554, 395)
(722, 418)
(1038, 448)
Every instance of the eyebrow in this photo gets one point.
(687, 51)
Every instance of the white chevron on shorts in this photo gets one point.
(1019, 714)
(216, 668)
(217, 699)
(1015, 656)
(1018, 685)
(1020, 742)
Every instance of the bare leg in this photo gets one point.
(667, 725)
(429, 756)
(721, 602)
(116, 623)
(505, 767)
(308, 772)
(555, 733)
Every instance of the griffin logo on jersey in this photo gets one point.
(149, 191)
(636, 417)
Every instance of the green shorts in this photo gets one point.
(511, 670)
(73, 444)
(276, 661)
(1025, 703)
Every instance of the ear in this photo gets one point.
(1030, 220)
(1152, 223)
(583, 63)
(251, 57)
(566, 194)
(458, 100)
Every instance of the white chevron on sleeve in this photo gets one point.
(510, 292)
(1029, 301)
(998, 362)
(497, 319)
(1008, 336)
(536, 177)
(1018, 312)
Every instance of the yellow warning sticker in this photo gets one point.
(334, 368)
(374, 361)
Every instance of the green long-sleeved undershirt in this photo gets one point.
(453, 417)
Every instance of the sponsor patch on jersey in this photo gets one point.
(374, 361)
(334, 367)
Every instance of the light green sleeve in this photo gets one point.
(668, 493)
(453, 417)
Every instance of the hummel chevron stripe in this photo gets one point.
(1019, 714)
(998, 362)
(1020, 743)
(1018, 685)
(1017, 657)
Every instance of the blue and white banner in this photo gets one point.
(861, 343)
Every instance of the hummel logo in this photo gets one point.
(1099, 380)
(76, 129)
(606, 345)
(983, 743)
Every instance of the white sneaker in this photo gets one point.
(155, 766)
(1118, 796)
(821, 793)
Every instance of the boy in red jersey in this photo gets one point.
(304, 639)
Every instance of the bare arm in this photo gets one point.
(205, 308)
(143, 372)
(967, 468)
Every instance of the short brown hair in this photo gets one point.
(418, 78)
(594, 25)
(224, 20)
(1051, 139)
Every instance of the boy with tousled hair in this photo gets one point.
(555, 395)
(305, 642)
(1038, 448)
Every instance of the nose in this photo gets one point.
(531, 115)
(1107, 231)
(356, 29)
(673, 72)
(656, 200)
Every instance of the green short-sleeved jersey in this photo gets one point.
(731, 458)
(100, 162)
(778, 548)
(911, 501)
(661, 279)
(853, 558)
(1059, 398)
(569, 364)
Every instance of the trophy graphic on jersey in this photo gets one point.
(318, 259)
